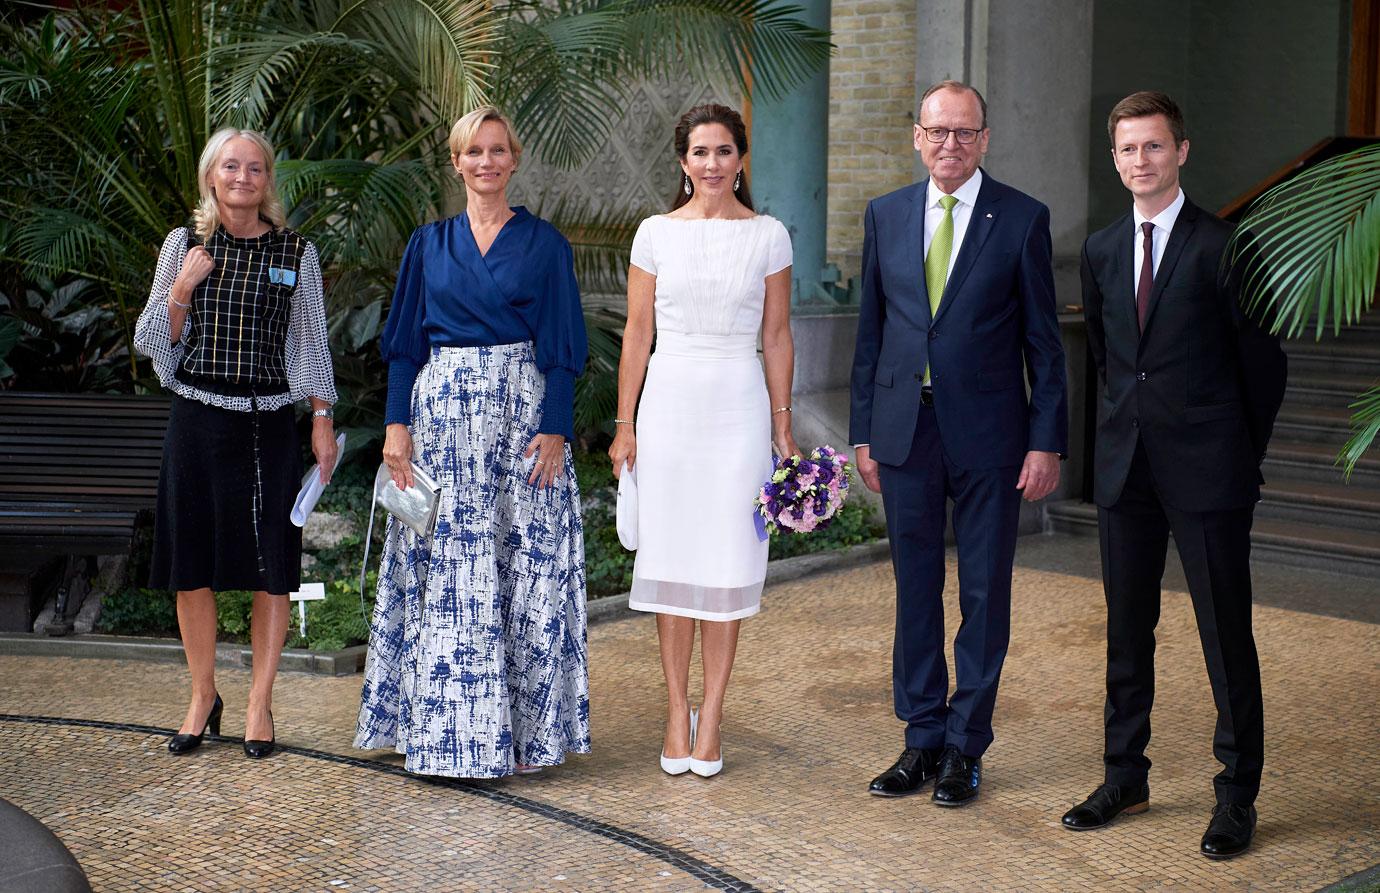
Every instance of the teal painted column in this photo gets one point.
(790, 155)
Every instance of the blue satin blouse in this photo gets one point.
(450, 295)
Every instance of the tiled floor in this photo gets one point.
(809, 723)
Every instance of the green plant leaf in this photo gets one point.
(1309, 249)
(1365, 427)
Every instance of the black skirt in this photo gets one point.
(205, 528)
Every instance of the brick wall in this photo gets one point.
(871, 102)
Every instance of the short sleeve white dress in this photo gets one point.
(704, 422)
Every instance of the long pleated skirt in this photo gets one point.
(477, 655)
(222, 520)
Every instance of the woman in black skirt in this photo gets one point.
(236, 329)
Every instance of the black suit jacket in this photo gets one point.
(1200, 387)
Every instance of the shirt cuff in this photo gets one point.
(558, 406)
(402, 374)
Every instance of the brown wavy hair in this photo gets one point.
(710, 113)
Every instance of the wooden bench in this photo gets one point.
(76, 472)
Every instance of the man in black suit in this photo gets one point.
(1190, 386)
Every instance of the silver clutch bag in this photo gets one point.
(416, 507)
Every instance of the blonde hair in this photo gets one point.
(464, 131)
(207, 213)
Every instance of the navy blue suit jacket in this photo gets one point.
(996, 328)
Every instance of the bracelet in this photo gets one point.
(623, 421)
(781, 409)
(327, 413)
(176, 303)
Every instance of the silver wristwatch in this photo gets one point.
(327, 413)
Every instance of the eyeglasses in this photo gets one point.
(941, 134)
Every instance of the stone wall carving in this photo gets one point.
(634, 172)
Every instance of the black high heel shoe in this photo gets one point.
(180, 743)
(257, 750)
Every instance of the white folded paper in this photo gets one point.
(311, 487)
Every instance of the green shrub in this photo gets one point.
(232, 613)
(608, 566)
(135, 611)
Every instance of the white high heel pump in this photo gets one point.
(681, 765)
(708, 768)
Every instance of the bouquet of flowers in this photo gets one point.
(803, 494)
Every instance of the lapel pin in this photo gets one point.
(989, 215)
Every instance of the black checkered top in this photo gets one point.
(257, 324)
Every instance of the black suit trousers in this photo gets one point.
(1215, 550)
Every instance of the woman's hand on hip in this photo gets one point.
(397, 454)
(549, 450)
(623, 450)
(323, 447)
(195, 268)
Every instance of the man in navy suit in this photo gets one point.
(1190, 387)
(957, 316)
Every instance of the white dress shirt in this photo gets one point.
(963, 212)
(1159, 237)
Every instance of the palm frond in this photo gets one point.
(551, 81)
(760, 42)
(52, 242)
(1365, 427)
(254, 66)
(450, 41)
(358, 211)
(1309, 249)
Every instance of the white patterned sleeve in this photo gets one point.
(779, 255)
(642, 255)
(152, 333)
(308, 354)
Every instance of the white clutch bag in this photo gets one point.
(627, 509)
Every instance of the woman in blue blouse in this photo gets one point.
(477, 665)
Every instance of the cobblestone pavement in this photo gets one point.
(809, 722)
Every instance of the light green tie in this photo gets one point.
(937, 261)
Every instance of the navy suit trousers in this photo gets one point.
(985, 515)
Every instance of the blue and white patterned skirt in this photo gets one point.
(477, 654)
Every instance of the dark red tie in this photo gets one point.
(1147, 273)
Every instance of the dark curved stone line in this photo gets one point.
(713, 877)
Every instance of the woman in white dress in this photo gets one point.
(704, 279)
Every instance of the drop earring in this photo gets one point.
(687, 184)
(738, 180)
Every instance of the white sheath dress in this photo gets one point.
(704, 422)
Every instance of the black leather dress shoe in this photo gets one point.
(959, 778)
(908, 774)
(1105, 804)
(1230, 831)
